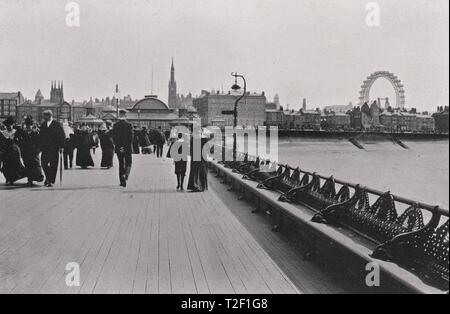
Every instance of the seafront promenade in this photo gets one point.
(147, 238)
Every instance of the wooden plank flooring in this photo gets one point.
(147, 238)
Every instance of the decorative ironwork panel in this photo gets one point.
(424, 252)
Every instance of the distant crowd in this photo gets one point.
(35, 151)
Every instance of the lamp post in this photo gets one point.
(236, 87)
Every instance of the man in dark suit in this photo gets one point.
(69, 147)
(160, 141)
(51, 141)
(123, 141)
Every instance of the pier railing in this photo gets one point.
(411, 234)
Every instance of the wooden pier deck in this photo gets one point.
(147, 238)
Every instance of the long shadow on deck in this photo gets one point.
(16, 186)
(104, 188)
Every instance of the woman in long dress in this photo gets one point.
(136, 149)
(84, 145)
(198, 175)
(12, 166)
(144, 141)
(29, 145)
(107, 145)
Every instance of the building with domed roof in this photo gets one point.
(151, 112)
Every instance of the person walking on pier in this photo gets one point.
(123, 140)
(69, 146)
(178, 152)
(160, 141)
(12, 166)
(144, 141)
(51, 142)
(136, 148)
(107, 145)
(198, 176)
(153, 135)
(29, 145)
(85, 143)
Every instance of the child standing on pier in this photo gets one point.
(178, 151)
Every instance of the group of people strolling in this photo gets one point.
(84, 139)
(30, 151)
(179, 151)
(148, 141)
(33, 151)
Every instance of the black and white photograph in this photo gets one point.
(224, 155)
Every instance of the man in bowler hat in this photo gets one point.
(123, 141)
(51, 140)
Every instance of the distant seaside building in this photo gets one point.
(271, 106)
(9, 103)
(398, 121)
(251, 109)
(355, 118)
(152, 113)
(62, 110)
(82, 110)
(184, 102)
(276, 100)
(274, 117)
(338, 108)
(441, 119)
(305, 120)
(425, 123)
(370, 116)
(275, 104)
(338, 121)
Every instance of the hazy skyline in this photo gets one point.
(320, 50)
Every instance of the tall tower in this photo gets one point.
(172, 100)
(387, 104)
(276, 100)
(57, 92)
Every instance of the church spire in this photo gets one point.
(172, 72)
(172, 100)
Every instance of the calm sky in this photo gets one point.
(321, 50)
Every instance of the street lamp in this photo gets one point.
(236, 87)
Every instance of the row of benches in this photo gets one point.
(405, 239)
